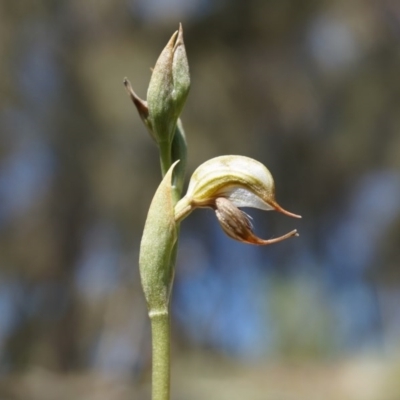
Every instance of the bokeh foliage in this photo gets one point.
(309, 88)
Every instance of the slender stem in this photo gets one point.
(165, 157)
(160, 331)
(160, 319)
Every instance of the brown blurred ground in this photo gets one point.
(200, 378)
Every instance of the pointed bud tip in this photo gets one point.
(179, 39)
(172, 41)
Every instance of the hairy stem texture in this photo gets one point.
(160, 330)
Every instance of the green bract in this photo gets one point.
(156, 247)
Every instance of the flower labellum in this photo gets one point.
(237, 224)
(226, 183)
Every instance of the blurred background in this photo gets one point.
(309, 88)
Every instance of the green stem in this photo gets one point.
(160, 319)
(160, 331)
(165, 157)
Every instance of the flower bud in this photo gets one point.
(168, 88)
(226, 183)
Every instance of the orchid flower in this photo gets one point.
(226, 183)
